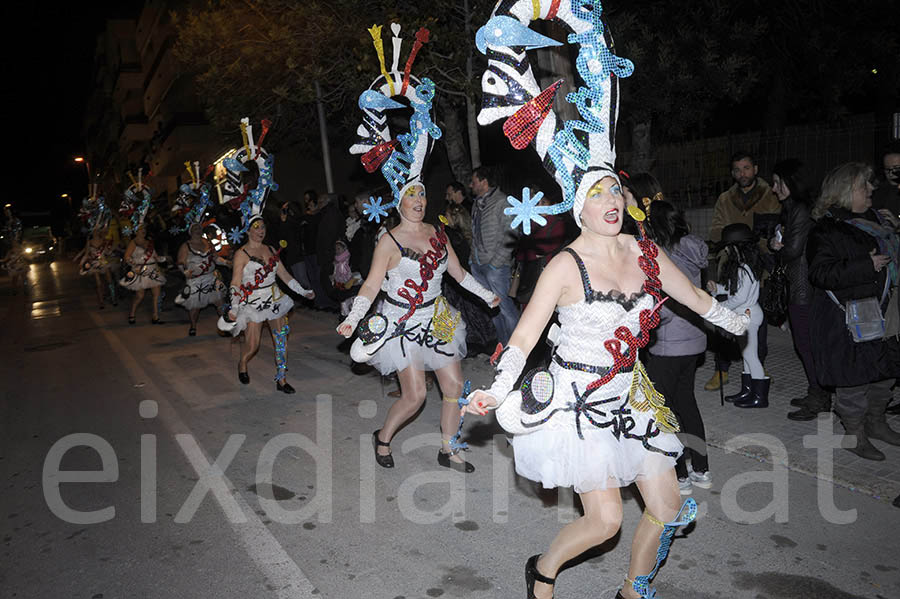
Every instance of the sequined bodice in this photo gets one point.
(199, 263)
(249, 273)
(409, 268)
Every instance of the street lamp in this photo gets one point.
(79, 160)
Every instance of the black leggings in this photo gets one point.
(673, 376)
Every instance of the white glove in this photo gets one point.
(299, 290)
(510, 366)
(360, 306)
(470, 284)
(734, 323)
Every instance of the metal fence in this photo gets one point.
(694, 173)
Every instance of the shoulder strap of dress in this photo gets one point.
(395, 240)
(585, 278)
(246, 252)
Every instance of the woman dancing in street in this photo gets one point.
(203, 285)
(421, 330)
(592, 420)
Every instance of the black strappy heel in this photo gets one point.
(532, 575)
(385, 461)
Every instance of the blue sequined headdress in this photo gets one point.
(578, 153)
(192, 201)
(94, 211)
(400, 160)
(136, 203)
(250, 201)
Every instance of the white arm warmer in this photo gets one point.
(470, 284)
(720, 316)
(510, 366)
(360, 306)
(298, 289)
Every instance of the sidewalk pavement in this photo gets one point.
(785, 444)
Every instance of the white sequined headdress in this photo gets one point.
(94, 211)
(400, 160)
(578, 153)
(192, 201)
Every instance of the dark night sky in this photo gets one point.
(48, 79)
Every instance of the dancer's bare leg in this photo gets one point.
(601, 520)
(662, 500)
(195, 315)
(99, 289)
(138, 296)
(451, 382)
(251, 344)
(154, 292)
(412, 395)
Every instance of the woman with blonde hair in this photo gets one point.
(853, 254)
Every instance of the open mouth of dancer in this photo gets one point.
(611, 216)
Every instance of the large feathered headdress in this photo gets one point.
(250, 202)
(400, 160)
(578, 153)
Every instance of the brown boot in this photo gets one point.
(715, 381)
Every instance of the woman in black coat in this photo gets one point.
(853, 252)
(789, 245)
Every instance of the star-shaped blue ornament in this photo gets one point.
(374, 210)
(127, 231)
(527, 210)
(235, 236)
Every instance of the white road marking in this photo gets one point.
(270, 557)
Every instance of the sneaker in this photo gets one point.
(701, 479)
(684, 486)
(713, 383)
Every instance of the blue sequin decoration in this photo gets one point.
(527, 210)
(507, 31)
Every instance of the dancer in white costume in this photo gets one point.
(94, 259)
(592, 420)
(254, 294)
(417, 330)
(144, 273)
(203, 284)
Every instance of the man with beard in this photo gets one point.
(887, 196)
(750, 201)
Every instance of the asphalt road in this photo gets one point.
(135, 465)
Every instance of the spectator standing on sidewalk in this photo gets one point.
(679, 342)
(853, 254)
(492, 246)
(752, 202)
(289, 230)
(789, 245)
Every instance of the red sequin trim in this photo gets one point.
(427, 265)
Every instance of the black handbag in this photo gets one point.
(775, 297)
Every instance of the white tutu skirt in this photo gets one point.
(418, 346)
(201, 291)
(626, 447)
(265, 303)
(145, 278)
(96, 265)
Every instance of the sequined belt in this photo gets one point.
(598, 370)
(394, 302)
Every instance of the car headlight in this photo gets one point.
(29, 250)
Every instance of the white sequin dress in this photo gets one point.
(266, 302)
(206, 287)
(144, 272)
(608, 437)
(422, 340)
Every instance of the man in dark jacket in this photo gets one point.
(492, 248)
(887, 196)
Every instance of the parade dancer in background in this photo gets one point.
(94, 259)
(16, 265)
(143, 262)
(417, 330)
(592, 420)
(254, 295)
(197, 259)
